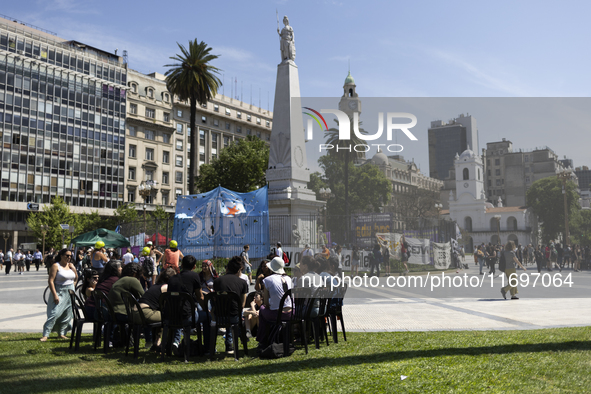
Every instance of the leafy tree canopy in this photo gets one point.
(547, 202)
(239, 167)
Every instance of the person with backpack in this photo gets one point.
(280, 253)
(172, 256)
(148, 276)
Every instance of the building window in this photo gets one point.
(248, 131)
(239, 114)
(165, 157)
(178, 178)
(132, 151)
(179, 161)
(268, 123)
(133, 109)
(497, 172)
(202, 137)
(179, 128)
(216, 122)
(204, 119)
(132, 131)
(239, 129)
(228, 112)
(179, 192)
(166, 138)
(258, 120)
(226, 141)
(489, 183)
(149, 135)
(249, 118)
(150, 113)
(259, 134)
(216, 108)
(488, 172)
(526, 159)
(134, 88)
(149, 154)
(166, 117)
(497, 162)
(149, 175)
(166, 97)
(527, 179)
(165, 179)
(164, 198)
(131, 195)
(227, 125)
(488, 163)
(179, 113)
(498, 182)
(151, 93)
(466, 174)
(204, 105)
(179, 145)
(131, 174)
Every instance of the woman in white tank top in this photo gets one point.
(62, 277)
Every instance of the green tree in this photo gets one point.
(239, 167)
(125, 213)
(194, 79)
(344, 150)
(581, 227)
(52, 216)
(547, 202)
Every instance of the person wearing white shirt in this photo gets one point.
(8, 261)
(279, 251)
(37, 257)
(128, 257)
(19, 260)
(307, 251)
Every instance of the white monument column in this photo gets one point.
(288, 174)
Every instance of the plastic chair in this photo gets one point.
(319, 322)
(303, 302)
(173, 317)
(79, 319)
(221, 305)
(335, 311)
(131, 306)
(106, 318)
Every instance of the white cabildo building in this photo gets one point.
(483, 221)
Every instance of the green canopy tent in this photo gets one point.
(110, 238)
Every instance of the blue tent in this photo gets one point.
(220, 222)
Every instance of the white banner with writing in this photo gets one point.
(441, 255)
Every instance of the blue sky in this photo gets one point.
(396, 49)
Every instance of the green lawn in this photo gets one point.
(540, 361)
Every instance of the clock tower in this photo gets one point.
(469, 175)
(350, 101)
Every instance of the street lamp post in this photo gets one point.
(5, 236)
(498, 217)
(325, 195)
(564, 176)
(145, 190)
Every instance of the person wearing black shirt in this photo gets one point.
(232, 283)
(188, 281)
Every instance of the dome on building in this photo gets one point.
(467, 154)
(380, 159)
(349, 79)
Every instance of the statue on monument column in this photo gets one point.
(287, 41)
(295, 233)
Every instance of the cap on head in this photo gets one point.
(99, 245)
(149, 243)
(173, 244)
(276, 265)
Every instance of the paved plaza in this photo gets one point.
(374, 309)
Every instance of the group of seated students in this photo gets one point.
(259, 315)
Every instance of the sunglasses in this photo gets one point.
(68, 256)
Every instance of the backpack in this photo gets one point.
(285, 259)
(502, 262)
(147, 266)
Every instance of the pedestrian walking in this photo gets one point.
(8, 260)
(28, 260)
(511, 262)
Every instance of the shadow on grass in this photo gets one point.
(207, 370)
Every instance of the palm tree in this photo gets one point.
(193, 78)
(332, 138)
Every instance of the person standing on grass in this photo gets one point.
(246, 263)
(510, 270)
(62, 277)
